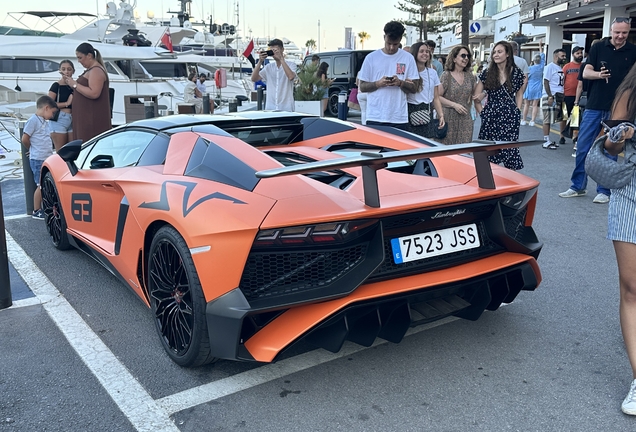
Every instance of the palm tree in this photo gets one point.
(364, 36)
(311, 44)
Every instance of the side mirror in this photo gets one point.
(69, 153)
(102, 161)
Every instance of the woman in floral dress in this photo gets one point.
(501, 117)
(456, 93)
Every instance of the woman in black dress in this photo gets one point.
(501, 117)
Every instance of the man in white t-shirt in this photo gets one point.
(279, 76)
(387, 75)
(553, 97)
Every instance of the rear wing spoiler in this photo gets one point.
(371, 162)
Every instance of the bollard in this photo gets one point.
(259, 98)
(342, 105)
(149, 109)
(27, 174)
(233, 105)
(206, 103)
(5, 283)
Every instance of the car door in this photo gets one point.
(92, 207)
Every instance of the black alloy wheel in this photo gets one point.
(177, 300)
(332, 104)
(53, 214)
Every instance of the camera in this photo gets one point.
(270, 53)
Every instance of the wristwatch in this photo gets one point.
(75, 85)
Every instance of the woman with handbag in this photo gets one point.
(501, 117)
(422, 102)
(61, 125)
(456, 94)
(622, 219)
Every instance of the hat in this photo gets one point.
(577, 48)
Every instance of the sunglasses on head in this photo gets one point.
(622, 20)
(464, 56)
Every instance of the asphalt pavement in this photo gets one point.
(82, 354)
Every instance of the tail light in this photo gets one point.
(326, 233)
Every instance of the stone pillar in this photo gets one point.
(554, 40)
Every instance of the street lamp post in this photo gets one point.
(439, 44)
(318, 35)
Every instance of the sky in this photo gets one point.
(293, 19)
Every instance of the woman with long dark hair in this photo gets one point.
(427, 96)
(322, 74)
(91, 101)
(62, 94)
(455, 95)
(622, 224)
(501, 117)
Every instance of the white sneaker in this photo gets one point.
(571, 193)
(601, 199)
(531, 123)
(629, 404)
(523, 123)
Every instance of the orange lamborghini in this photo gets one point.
(247, 233)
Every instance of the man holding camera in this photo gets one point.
(279, 76)
(608, 63)
(387, 75)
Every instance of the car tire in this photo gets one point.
(53, 214)
(332, 104)
(177, 300)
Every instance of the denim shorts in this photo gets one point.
(63, 124)
(36, 167)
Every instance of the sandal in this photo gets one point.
(550, 145)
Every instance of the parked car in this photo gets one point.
(343, 68)
(247, 233)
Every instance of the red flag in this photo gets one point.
(248, 53)
(166, 40)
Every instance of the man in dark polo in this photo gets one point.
(608, 63)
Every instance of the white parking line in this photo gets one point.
(145, 413)
(243, 381)
(131, 398)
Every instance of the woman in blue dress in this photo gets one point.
(534, 90)
(501, 116)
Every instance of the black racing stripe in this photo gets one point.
(121, 222)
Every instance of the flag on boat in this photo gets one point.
(248, 53)
(166, 40)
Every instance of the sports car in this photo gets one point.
(247, 233)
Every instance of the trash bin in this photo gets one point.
(134, 106)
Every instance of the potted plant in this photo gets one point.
(308, 90)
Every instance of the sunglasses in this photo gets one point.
(464, 56)
(622, 20)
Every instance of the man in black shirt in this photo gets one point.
(608, 63)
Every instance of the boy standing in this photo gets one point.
(37, 140)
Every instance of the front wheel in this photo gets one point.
(177, 300)
(53, 214)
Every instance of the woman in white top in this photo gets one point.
(427, 98)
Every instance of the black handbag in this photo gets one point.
(56, 116)
(436, 131)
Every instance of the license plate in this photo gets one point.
(434, 243)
